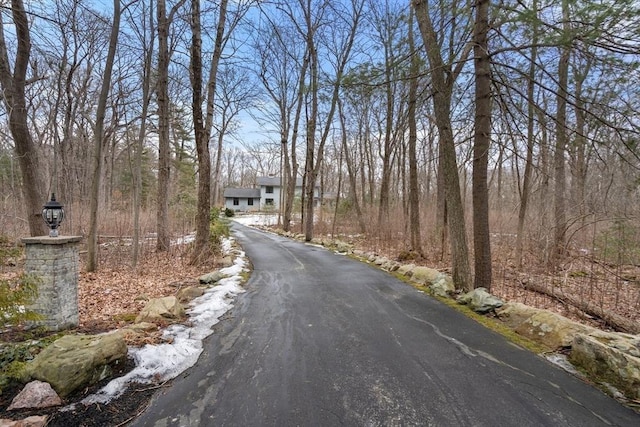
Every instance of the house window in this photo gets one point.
(269, 189)
(236, 201)
(268, 202)
(250, 201)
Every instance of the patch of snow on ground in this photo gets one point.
(166, 361)
(256, 219)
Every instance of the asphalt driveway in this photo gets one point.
(319, 339)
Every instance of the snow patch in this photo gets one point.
(256, 219)
(162, 362)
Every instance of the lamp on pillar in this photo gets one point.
(52, 213)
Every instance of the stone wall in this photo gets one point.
(54, 260)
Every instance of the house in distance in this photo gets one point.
(266, 197)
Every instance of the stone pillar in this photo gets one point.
(54, 260)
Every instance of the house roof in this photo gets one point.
(243, 193)
(275, 181)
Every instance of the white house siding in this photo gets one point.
(243, 204)
(270, 200)
(262, 200)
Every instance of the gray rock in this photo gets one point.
(604, 358)
(76, 361)
(480, 301)
(424, 275)
(161, 310)
(342, 247)
(393, 266)
(32, 421)
(442, 286)
(513, 314)
(226, 261)
(211, 278)
(380, 261)
(187, 294)
(406, 269)
(552, 329)
(35, 395)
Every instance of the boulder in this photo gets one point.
(226, 261)
(187, 294)
(32, 421)
(406, 269)
(424, 275)
(160, 310)
(360, 253)
(552, 329)
(442, 286)
(513, 314)
(342, 247)
(393, 266)
(606, 359)
(76, 361)
(35, 395)
(389, 265)
(480, 300)
(211, 278)
(379, 261)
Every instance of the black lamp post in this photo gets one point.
(52, 213)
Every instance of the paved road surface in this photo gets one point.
(322, 340)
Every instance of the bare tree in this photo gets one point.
(414, 191)
(13, 87)
(443, 77)
(147, 39)
(99, 137)
(482, 142)
(528, 167)
(164, 145)
(560, 216)
(236, 94)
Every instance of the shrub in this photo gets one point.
(219, 229)
(15, 295)
(229, 213)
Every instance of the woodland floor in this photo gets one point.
(111, 298)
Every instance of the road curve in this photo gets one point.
(319, 339)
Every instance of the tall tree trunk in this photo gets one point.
(99, 137)
(13, 86)
(292, 178)
(481, 144)
(164, 145)
(309, 165)
(343, 59)
(560, 216)
(217, 171)
(388, 146)
(442, 225)
(580, 144)
(528, 166)
(353, 185)
(442, 78)
(414, 192)
(139, 146)
(202, 142)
